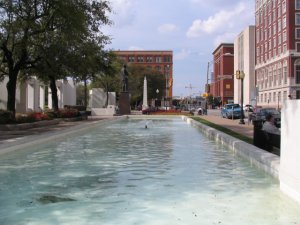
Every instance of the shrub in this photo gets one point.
(25, 118)
(68, 113)
(50, 114)
(6, 117)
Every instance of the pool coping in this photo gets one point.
(53, 135)
(260, 158)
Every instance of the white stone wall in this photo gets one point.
(244, 59)
(30, 95)
(66, 93)
(98, 98)
(3, 94)
(290, 150)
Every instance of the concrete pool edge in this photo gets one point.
(49, 136)
(258, 157)
(266, 161)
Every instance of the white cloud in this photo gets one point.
(183, 54)
(167, 28)
(224, 38)
(218, 23)
(123, 12)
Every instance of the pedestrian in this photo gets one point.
(269, 126)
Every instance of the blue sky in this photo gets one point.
(191, 28)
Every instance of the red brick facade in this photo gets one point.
(222, 84)
(159, 60)
(277, 67)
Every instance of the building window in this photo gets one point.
(284, 36)
(279, 39)
(297, 94)
(274, 77)
(140, 59)
(266, 99)
(274, 96)
(297, 33)
(274, 28)
(279, 25)
(297, 16)
(283, 7)
(167, 59)
(279, 75)
(298, 46)
(285, 73)
(279, 10)
(158, 59)
(284, 22)
(130, 58)
(284, 48)
(149, 59)
(297, 6)
(297, 73)
(284, 95)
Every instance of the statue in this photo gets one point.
(124, 76)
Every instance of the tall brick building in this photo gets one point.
(277, 67)
(162, 61)
(222, 83)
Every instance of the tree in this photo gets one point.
(155, 80)
(109, 77)
(29, 27)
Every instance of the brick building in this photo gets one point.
(277, 67)
(222, 81)
(162, 61)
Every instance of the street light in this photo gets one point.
(240, 75)
(157, 91)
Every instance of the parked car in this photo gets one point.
(248, 108)
(261, 113)
(230, 111)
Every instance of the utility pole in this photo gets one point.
(191, 90)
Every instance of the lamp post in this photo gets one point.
(240, 75)
(157, 91)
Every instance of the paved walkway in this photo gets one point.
(11, 136)
(245, 129)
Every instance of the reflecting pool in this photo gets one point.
(121, 173)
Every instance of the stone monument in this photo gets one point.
(124, 99)
(145, 95)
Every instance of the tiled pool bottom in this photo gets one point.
(122, 173)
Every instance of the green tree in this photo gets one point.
(109, 77)
(29, 27)
(155, 80)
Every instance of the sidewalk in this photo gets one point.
(245, 129)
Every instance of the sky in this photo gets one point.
(192, 29)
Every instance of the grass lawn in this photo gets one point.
(224, 130)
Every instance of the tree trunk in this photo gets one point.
(85, 94)
(53, 93)
(11, 87)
